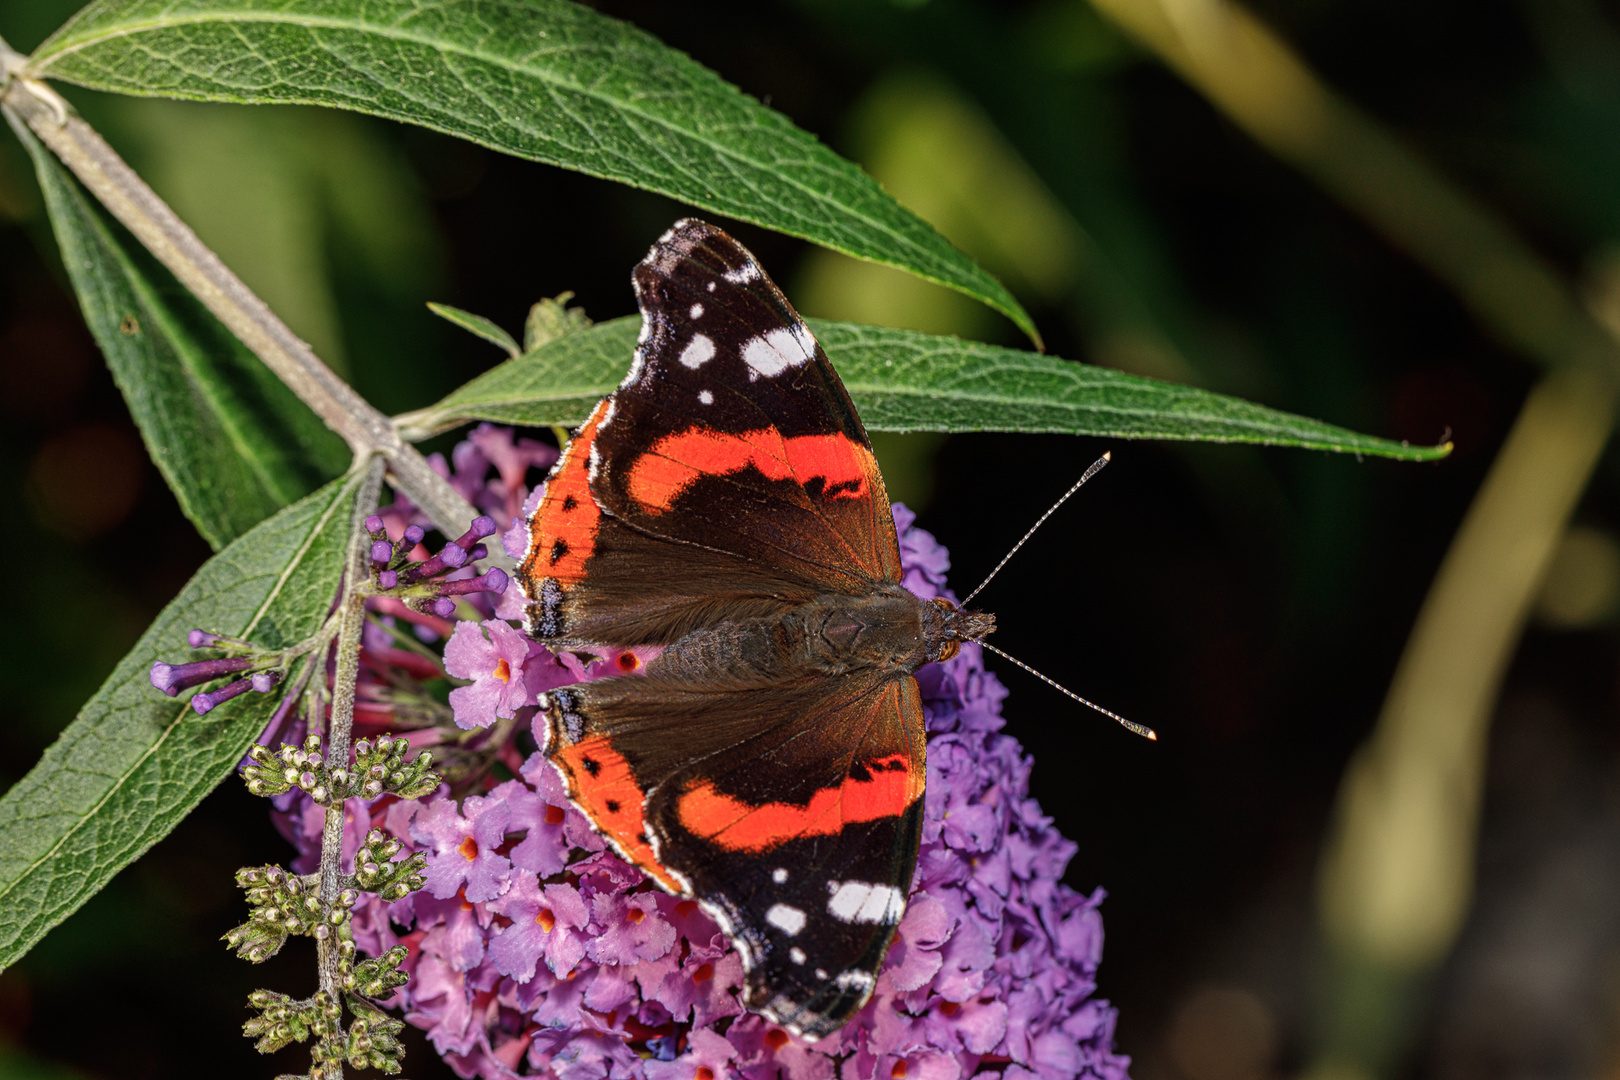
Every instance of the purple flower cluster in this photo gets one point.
(534, 950)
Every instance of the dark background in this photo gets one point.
(1250, 604)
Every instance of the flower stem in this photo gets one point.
(351, 622)
(128, 198)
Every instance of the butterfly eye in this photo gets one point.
(628, 661)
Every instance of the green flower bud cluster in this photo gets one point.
(282, 1020)
(377, 977)
(379, 768)
(284, 904)
(372, 1042)
(375, 871)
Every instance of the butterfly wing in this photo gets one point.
(728, 475)
(792, 812)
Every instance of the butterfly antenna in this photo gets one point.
(1096, 467)
(1129, 725)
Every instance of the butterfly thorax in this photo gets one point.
(888, 630)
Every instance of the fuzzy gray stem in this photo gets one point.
(335, 749)
(131, 201)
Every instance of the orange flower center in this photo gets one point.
(703, 1073)
(628, 661)
(555, 815)
(469, 849)
(703, 974)
(899, 1071)
(776, 1038)
(546, 919)
(503, 670)
(635, 915)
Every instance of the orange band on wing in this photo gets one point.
(675, 462)
(738, 826)
(562, 533)
(601, 782)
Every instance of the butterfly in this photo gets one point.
(724, 504)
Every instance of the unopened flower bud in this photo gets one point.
(480, 528)
(203, 704)
(173, 678)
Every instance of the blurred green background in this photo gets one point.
(1452, 909)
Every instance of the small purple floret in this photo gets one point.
(443, 607)
(388, 579)
(374, 524)
(204, 702)
(451, 558)
(381, 552)
(173, 678)
(265, 681)
(202, 639)
(480, 528)
(414, 534)
(493, 580)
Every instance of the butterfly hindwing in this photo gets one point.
(793, 814)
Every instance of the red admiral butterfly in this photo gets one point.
(724, 503)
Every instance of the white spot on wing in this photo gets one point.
(711, 286)
(821, 973)
(860, 902)
(853, 980)
(706, 397)
(697, 311)
(777, 351)
(786, 918)
(644, 335)
(698, 351)
(796, 955)
(780, 875)
(745, 273)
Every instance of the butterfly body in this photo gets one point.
(724, 506)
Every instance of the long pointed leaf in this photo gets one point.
(134, 762)
(903, 380)
(232, 441)
(543, 79)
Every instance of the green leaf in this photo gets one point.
(551, 318)
(135, 762)
(903, 380)
(543, 79)
(232, 441)
(478, 326)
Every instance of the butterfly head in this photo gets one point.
(953, 625)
